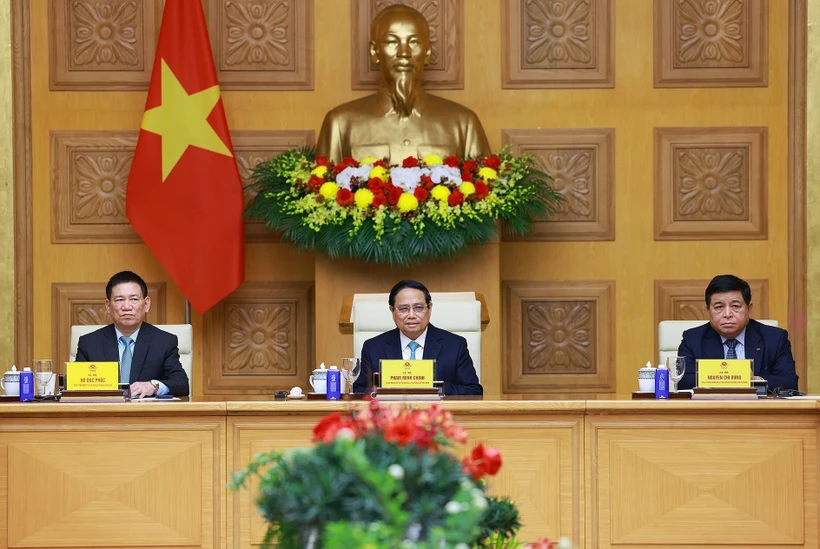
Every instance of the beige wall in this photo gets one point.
(634, 260)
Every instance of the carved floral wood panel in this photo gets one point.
(557, 44)
(83, 304)
(711, 43)
(711, 183)
(446, 20)
(581, 163)
(262, 44)
(259, 339)
(96, 45)
(558, 336)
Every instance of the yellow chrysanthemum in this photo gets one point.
(329, 190)
(433, 160)
(363, 198)
(319, 171)
(368, 160)
(487, 174)
(466, 188)
(379, 173)
(407, 203)
(440, 192)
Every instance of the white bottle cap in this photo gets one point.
(662, 367)
(334, 367)
(26, 369)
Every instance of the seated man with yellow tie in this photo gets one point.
(415, 338)
(730, 334)
(148, 356)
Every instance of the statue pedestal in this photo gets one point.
(478, 270)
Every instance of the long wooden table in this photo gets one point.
(621, 474)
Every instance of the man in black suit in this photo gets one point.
(148, 356)
(415, 337)
(730, 333)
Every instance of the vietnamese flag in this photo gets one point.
(184, 194)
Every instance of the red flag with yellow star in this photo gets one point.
(184, 194)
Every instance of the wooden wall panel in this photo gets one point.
(548, 44)
(711, 183)
(259, 339)
(711, 44)
(83, 303)
(558, 336)
(582, 165)
(446, 18)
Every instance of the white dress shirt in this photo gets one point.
(405, 345)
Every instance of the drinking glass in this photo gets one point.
(677, 367)
(44, 377)
(351, 369)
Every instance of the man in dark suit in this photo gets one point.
(415, 337)
(148, 356)
(730, 333)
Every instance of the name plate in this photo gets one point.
(724, 373)
(407, 374)
(92, 376)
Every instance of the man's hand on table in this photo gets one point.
(140, 389)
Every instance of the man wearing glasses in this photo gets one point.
(415, 338)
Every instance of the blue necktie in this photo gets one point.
(125, 361)
(413, 346)
(731, 353)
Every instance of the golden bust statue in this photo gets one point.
(400, 119)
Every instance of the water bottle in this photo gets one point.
(662, 382)
(26, 385)
(334, 383)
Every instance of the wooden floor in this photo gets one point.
(622, 474)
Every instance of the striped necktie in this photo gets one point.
(413, 346)
(731, 344)
(125, 361)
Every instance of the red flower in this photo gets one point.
(381, 163)
(379, 199)
(401, 431)
(348, 161)
(326, 430)
(374, 184)
(410, 162)
(482, 461)
(452, 161)
(321, 161)
(425, 181)
(466, 175)
(338, 168)
(421, 194)
(492, 162)
(344, 197)
(455, 198)
(543, 543)
(470, 165)
(320, 198)
(393, 195)
(481, 190)
(315, 182)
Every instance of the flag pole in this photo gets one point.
(187, 311)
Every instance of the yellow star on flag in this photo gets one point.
(182, 120)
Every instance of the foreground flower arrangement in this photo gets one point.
(425, 208)
(384, 477)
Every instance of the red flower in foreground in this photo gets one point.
(393, 195)
(321, 161)
(470, 166)
(381, 163)
(410, 162)
(452, 161)
(344, 197)
(401, 431)
(481, 190)
(315, 183)
(482, 461)
(326, 430)
(379, 199)
(421, 194)
(492, 162)
(374, 184)
(455, 198)
(543, 543)
(466, 175)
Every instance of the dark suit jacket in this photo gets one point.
(453, 363)
(767, 345)
(156, 355)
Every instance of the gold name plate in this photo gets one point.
(724, 373)
(407, 374)
(92, 376)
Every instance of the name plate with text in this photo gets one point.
(407, 374)
(92, 376)
(717, 373)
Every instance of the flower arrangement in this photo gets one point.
(425, 208)
(384, 477)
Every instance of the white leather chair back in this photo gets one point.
(184, 333)
(670, 334)
(458, 312)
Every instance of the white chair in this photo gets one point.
(184, 333)
(670, 334)
(457, 312)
